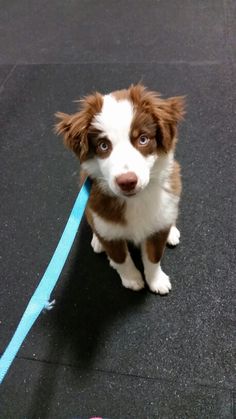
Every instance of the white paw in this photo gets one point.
(160, 284)
(174, 236)
(96, 244)
(133, 282)
(130, 276)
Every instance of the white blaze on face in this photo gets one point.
(114, 121)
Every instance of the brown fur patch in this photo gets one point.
(82, 178)
(110, 208)
(155, 246)
(115, 249)
(166, 113)
(94, 141)
(75, 127)
(145, 150)
(175, 179)
(143, 124)
(121, 94)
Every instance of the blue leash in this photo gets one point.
(41, 296)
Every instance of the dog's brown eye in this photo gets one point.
(143, 140)
(103, 146)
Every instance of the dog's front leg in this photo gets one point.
(152, 251)
(120, 259)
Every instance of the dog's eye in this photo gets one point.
(143, 140)
(103, 146)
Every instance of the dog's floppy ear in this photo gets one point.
(168, 112)
(75, 127)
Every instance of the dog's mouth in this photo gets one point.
(125, 194)
(131, 193)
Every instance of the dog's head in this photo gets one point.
(119, 138)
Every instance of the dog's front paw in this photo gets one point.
(130, 276)
(160, 284)
(133, 281)
(174, 236)
(96, 244)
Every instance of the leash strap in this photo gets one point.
(41, 296)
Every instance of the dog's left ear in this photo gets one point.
(168, 112)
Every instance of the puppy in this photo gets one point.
(125, 142)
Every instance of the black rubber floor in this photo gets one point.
(103, 350)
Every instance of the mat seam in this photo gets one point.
(114, 63)
(123, 374)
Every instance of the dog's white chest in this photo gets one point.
(152, 211)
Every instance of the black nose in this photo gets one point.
(127, 181)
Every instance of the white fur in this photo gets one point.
(96, 244)
(156, 279)
(115, 119)
(129, 274)
(174, 236)
(114, 122)
(151, 210)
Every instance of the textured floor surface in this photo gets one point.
(105, 350)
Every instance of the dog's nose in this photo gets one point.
(127, 181)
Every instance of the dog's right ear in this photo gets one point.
(74, 130)
(75, 127)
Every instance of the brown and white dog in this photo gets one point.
(125, 142)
